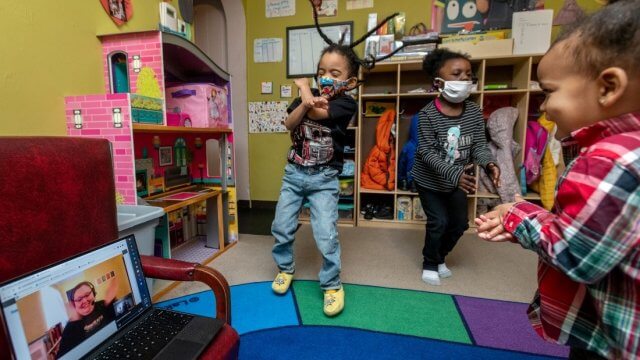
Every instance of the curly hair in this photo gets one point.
(435, 60)
(606, 38)
(347, 50)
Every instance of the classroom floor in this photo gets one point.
(478, 313)
(379, 257)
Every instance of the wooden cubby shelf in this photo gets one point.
(393, 81)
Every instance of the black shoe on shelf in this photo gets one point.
(403, 185)
(368, 211)
(383, 213)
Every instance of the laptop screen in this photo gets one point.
(66, 310)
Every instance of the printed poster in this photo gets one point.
(328, 8)
(267, 116)
(359, 4)
(278, 8)
(267, 50)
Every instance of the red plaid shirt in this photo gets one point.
(589, 246)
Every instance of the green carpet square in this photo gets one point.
(404, 312)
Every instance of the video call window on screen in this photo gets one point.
(64, 308)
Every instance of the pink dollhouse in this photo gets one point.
(143, 72)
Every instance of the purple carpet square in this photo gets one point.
(504, 325)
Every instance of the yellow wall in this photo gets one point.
(49, 50)
(268, 151)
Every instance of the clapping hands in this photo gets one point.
(490, 227)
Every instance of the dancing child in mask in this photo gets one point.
(318, 122)
(451, 139)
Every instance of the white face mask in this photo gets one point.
(456, 91)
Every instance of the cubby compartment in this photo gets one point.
(514, 72)
(380, 83)
(492, 102)
(510, 73)
(376, 207)
(414, 80)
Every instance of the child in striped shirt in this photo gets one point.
(451, 139)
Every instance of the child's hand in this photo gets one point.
(494, 174)
(489, 225)
(467, 183)
(301, 83)
(320, 102)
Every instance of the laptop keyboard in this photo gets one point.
(148, 337)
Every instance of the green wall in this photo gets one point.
(49, 50)
(267, 151)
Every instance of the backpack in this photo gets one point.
(535, 144)
(408, 153)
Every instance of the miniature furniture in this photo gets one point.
(151, 156)
(59, 200)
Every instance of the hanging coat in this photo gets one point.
(378, 171)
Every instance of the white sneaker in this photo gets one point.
(430, 277)
(444, 271)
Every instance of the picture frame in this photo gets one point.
(266, 87)
(165, 155)
(285, 91)
(304, 46)
(142, 182)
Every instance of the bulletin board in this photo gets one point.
(304, 46)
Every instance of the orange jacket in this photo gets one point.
(379, 170)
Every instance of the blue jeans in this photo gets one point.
(320, 186)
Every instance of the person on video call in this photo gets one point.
(91, 316)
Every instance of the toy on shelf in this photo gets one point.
(178, 119)
(137, 69)
(205, 103)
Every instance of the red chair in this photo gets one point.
(58, 199)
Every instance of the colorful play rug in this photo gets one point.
(377, 323)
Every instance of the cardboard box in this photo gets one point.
(485, 48)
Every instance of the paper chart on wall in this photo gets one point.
(267, 50)
(267, 116)
(305, 45)
(359, 4)
(532, 31)
(277, 8)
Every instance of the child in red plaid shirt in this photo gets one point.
(589, 245)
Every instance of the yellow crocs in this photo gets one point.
(281, 283)
(333, 302)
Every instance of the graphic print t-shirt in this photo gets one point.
(77, 331)
(446, 144)
(322, 142)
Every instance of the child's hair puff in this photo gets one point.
(609, 37)
(433, 62)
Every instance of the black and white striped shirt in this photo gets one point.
(446, 144)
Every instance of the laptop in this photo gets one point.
(96, 305)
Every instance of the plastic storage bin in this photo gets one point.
(140, 221)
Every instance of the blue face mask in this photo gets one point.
(330, 87)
